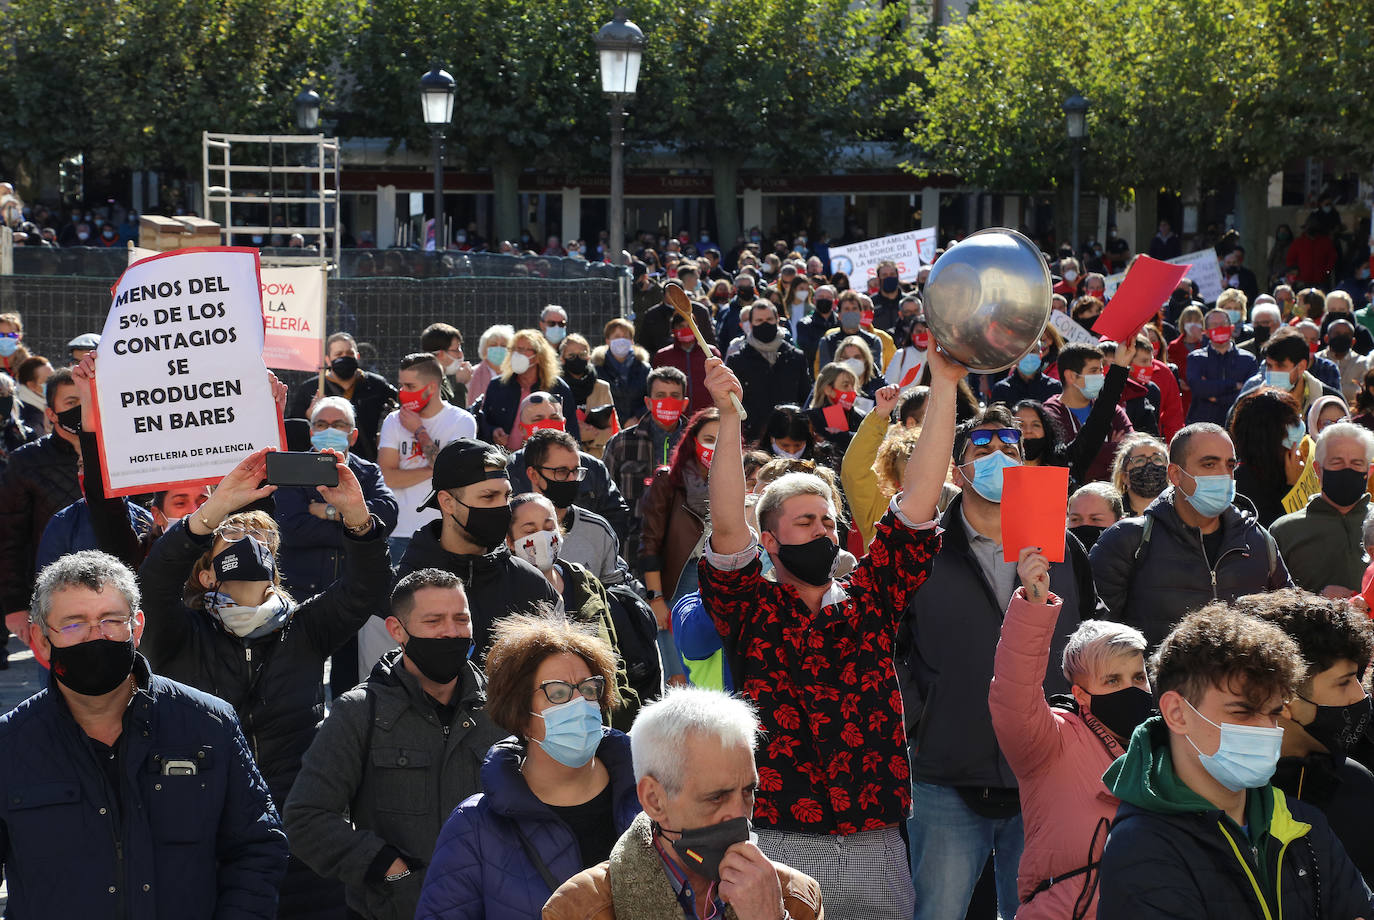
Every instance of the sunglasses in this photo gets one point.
(982, 437)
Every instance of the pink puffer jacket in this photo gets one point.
(1058, 757)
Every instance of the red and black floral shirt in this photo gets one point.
(834, 756)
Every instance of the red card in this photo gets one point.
(1035, 504)
(1143, 291)
(835, 418)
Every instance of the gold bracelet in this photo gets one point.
(361, 529)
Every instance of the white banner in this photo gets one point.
(1070, 330)
(1205, 273)
(182, 394)
(860, 260)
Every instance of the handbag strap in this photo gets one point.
(533, 856)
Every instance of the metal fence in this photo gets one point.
(381, 310)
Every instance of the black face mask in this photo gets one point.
(720, 298)
(1262, 334)
(811, 562)
(344, 367)
(486, 526)
(1336, 728)
(1343, 487)
(890, 284)
(439, 659)
(1086, 322)
(746, 294)
(1122, 710)
(576, 366)
(765, 332)
(244, 560)
(1087, 534)
(1340, 344)
(823, 306)
(1034, 448)
(69, 420)
(1149, 480)
(702, 848)
(562, 494)
(92, 668)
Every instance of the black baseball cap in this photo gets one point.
(461, 463)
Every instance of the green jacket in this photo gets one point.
(1321, 546)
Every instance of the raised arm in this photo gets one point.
(929, 463)
(109, 516)
(729, 527)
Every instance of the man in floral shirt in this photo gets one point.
(816, 656)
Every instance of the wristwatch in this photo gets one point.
(652, 595)
(331, 513)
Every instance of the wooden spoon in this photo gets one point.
(677, 298)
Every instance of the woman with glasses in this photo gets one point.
(1140, 471)
(530, 366)
(218, 619)
(556, 796)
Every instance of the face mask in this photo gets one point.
(856, 367)
(1122, 710)
(1193, 329)
(704, 454)
(1092, 385)
(576, 365)
(1279, 379)
(1071, 276)
(1233, 316)
(439, 659)
(414, 400)
(1086, 322)
(248, 622)
(810, 562)
(621, 347)
(823, 306)
(1220, 335)
(1149, 480)
(890, 284)
(244, 560)
(1029, 365)
(8, 346)
(754, 238)
(849, 321)
(1142, 373)
(765, 332)
(1343, 487)
(866, 317)
(344, 367)
(555, 334)
(497, 353)
(562, 494)
(1247, 756)
(1262, 334)
(799, 297)
(519, 362)
(921, 340)
(746, 294)
(557, 424)
(83, 236)
(1338, 728)
(1294, 436)
(987, 474)
(702, 848)
(92, 668)
(1340, 344)
(778, 451)
(720, 298)
(69, 420)
(845, 399)
(1087, 534)
(1213, 494)
(572, 731)
(539, 549)
(486, 526)
(667, 411)
(684, 336)
(329, 439)
(1034, 448)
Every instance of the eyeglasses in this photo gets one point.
(1139, 463)
(982, 437)
(563, 473)
(341, 425)
(9, 335)
(232, 533)
(560, 691)
(116, 629)
(555, 322)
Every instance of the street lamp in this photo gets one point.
(620, 45)
(1076, 113)
(436, 101)
(308, 111)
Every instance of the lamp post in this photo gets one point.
(620, 45)
(436, 102)
(308, 111)
(1076, 114)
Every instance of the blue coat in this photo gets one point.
(70, 531)
(1217, 375)
(480, 869)
(194, 847)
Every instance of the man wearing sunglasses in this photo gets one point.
(964, 794)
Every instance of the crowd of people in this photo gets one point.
(574, 637)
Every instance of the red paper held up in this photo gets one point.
(1146, 286)
(835, 418)
(1035, 502)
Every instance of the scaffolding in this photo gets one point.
(274, 184)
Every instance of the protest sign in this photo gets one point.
(293, 308)
(1146, 288)
(1040, 495)
(860, 260)
(1205, 273)
(182, 394)
(1071, 331)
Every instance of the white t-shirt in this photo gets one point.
(450, 424)
(906, 365)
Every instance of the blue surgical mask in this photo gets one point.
(496, 354)
(329, 439)
(555, 334)
(1278, 379)
(1029, 365)
(572, 731)
(1247, 756)
(987, 474)
(1213, 494)
(1294, 436)
(1234, 315)
(1092, 385)
(8, 346)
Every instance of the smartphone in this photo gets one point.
(301, 468)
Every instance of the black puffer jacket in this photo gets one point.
(39, 482)
(1151, 584)
(497, 584)
(786, 380)
(274, 682)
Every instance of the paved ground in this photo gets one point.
(23, 679)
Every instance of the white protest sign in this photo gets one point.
(182, 394)
(1205, 273)
(860, 260)
(293, 307)
(1070, 330)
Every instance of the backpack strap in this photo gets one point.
(533, 856)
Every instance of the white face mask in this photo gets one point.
(622, 346)
(787, 454)
(246, 621)
(519, 362)
(856, 367)
(539, 549)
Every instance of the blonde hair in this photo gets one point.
(865, 354)
(826, 378)
(545, 361)
(1234, 299)
(889, 463)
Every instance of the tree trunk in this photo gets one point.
(1252, 220)
(505, 186)
(1146, 217)
(725, 179)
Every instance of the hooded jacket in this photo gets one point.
(1344, 790)
(1173, 854)
(1150, 584)
(481, 870)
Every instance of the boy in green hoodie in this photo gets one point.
(1200, 832)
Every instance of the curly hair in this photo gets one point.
(889, 463)
(520, 644)
(1259, 424)
(1219, 646)
(1327, 630)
